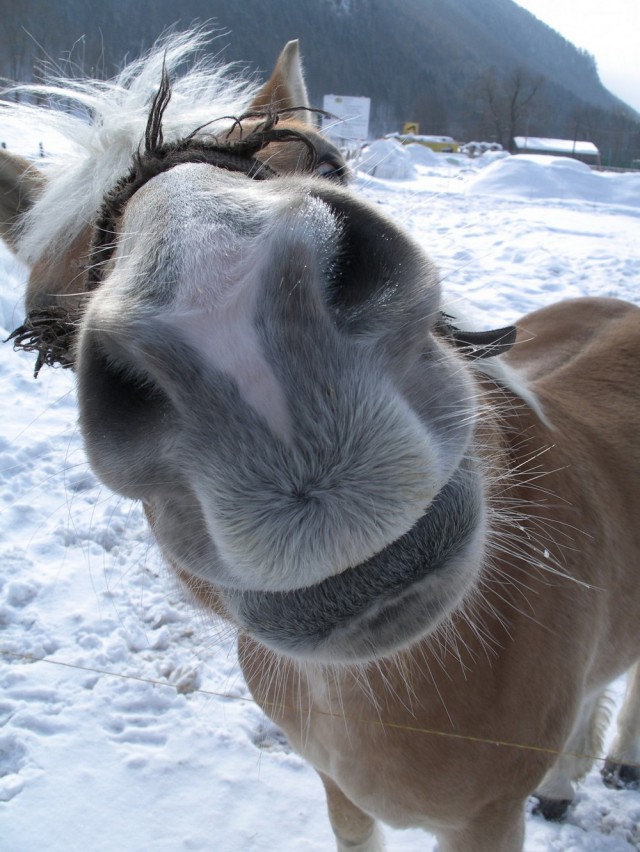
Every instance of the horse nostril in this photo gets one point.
(121, 410)
(127, 385)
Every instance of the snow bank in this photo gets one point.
(497, 173)
(386, 158)
(421, 155)
(532, 176)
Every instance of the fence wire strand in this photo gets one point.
(416, 729)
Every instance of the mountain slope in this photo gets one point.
(437, 62)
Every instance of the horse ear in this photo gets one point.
(20, 184)
(286, 88)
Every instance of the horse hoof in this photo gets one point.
(621, 776)
(553, 810)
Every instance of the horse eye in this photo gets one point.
(332, 169)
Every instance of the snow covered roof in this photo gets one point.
(419, 138)
(556, 146)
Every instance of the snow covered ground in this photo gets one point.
(125, 724)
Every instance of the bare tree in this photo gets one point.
(509, 102)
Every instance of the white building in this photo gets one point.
(579, 150)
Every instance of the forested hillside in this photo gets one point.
(473, 70)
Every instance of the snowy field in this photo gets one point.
(125, 725)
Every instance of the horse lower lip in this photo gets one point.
(355, 611)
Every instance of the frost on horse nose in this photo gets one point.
(218, 314)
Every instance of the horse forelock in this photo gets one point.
(103, 128)
(234, 150)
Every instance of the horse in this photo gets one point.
(427, 538)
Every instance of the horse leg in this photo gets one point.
(622, 767)
(355, 830)
(498, 827)
(556, 790)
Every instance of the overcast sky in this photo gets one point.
(609, 29)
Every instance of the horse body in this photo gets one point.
(528, 667)
(432, 563)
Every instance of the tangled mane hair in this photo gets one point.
(103, 124)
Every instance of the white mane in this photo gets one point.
(104, 124)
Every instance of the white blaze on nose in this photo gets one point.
(219, 323)
(221, 239)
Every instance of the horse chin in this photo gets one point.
(381, 606)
